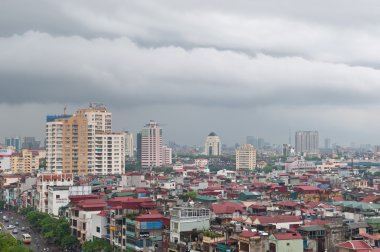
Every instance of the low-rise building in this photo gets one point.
(44, 181)
(285, 242)
(185, 220)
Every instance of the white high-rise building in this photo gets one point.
(166, 155)
(54, 146)
(307, 142)
(245, 157)
(84, 143)
(98, 116)
(109, 154)
(150, 145)
(129, 149)
(213, 146)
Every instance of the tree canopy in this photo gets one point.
(9, 244)
(52, 229)
(98, 245)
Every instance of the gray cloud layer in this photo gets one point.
(246, 56)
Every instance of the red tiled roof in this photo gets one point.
(311, 204)
(120, 199)
(254, 206)
(338, 198)
(370, 198)
(316, 222)
(248, 234)
(287, 236)
(356, 245)
(213, 188)
(227, 208)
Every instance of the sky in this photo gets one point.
(238, 68)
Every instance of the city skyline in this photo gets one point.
(238, 69)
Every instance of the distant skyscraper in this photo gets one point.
(213, 146)
(307, 142)
(245, 157)
(327, 143)
(128, 144)
(150, 145)
(260, 143)
(13, 141)
(166, 155)
(252, 141)
(30, 143)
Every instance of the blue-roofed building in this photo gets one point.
(52, 118)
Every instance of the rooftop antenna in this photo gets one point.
(64, 109)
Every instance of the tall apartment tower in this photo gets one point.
(166, 155)
(213, 146)
(245, 157)
(84, 143)
(128, 144)
(327, 143)
(150, 145)
(307, 142)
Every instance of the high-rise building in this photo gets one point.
(307, 142)
(109, 154)
(260, 143)
(150, 145)
(84, 143)
(30, 143)
(166, 155)
(213, 146)
(13, 141)
(327, 143)
(245, 157)
(128, 144)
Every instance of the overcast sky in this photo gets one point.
(234, 67)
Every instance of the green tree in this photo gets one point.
(69, 242)
(98, 245)
(55, 230)
(268, 168)
(2, 204)
(376, 174)
(10, 244)
(25, 211)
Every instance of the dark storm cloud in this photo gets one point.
(208, 55)
(73, 69)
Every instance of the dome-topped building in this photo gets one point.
(213, 146)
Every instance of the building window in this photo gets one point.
(98, 229)
(57, 196)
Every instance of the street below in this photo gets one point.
(38, 242)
